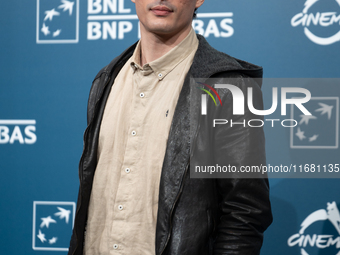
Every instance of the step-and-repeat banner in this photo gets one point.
(52, 49)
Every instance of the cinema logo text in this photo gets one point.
(239, 103)
(311, 242)
(17, 132)
(113, 19)
(325, 20)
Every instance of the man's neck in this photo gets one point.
(154, 46)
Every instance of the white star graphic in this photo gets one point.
(63, 214)
(300, 134)
(56, 33)
(306, 118)
(45, 29)
(50, 14)
(67, 6)
(41, 236)
(46, 222)
(313, 138)
(325, 109)
(52, 240)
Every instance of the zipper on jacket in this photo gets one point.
(173, 207)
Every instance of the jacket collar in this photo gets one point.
(209, 61)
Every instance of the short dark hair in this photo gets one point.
(195, 14)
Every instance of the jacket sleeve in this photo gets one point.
(244, 205)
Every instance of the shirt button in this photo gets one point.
(160, 75)
(141, 95)
(133, 133)
(115, 246)
(120, 207)
(127, 170)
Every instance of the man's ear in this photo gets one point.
(134, 1)
(198, 3)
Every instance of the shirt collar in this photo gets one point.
(165, 64)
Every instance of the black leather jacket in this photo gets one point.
(195, 216)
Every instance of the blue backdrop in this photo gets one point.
(52, 49)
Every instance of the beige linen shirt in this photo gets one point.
(134, 131)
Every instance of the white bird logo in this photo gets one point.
(300, 134)
(50, 14)
(325, 109)
(63, 214)
(67, 6)
(313, 138)
(56, 33)
(45, 29)
(53, 240)
(46, 222)
(41, 236)
(306, 118)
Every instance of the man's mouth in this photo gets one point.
(161, 10)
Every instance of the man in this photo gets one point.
(136, 195)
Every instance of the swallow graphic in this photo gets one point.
(66, 6)
(50, 14)
(313, 138)
(325, 109)
(56, 33)
(63, 214)
(46, 222)
(52, 240)
(45, 29)
(41, 236)
(300, 134)
(306, 118)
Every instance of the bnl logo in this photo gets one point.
(57, 21)
(239, 99)
(319, 130)
(52, 225)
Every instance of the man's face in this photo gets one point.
(166, 17)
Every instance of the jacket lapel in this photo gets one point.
(174, 166)
(177, 155)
